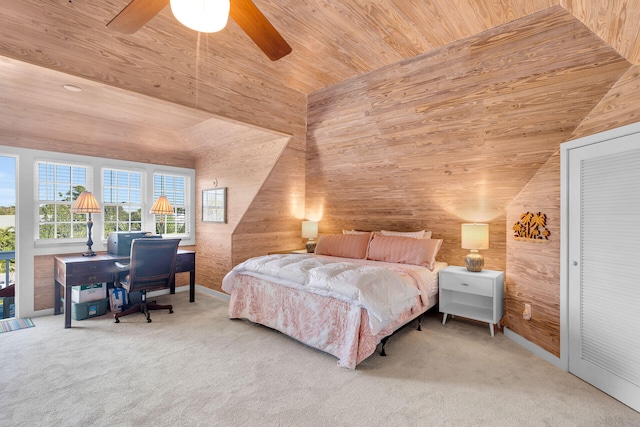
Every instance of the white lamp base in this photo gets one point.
(474, 261)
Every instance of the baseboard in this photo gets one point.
(534, 348)
(213, 292)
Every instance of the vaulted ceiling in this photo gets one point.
(166, 82)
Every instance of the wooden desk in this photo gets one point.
(76, 270)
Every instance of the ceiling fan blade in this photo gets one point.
(136, 14)
(259, 29)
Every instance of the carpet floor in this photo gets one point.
(196, 367)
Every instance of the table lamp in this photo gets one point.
(475, 237)
(87, 203)
(310, 231)
(162, 207)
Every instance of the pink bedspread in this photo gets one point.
(328, 324)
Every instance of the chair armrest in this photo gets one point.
(120, 266)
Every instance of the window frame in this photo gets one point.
(94, 167)
(105, 205)
(188, 212)
(75, 219)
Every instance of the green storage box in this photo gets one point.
(84, 310)
(7, 307)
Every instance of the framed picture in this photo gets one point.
(214, 205)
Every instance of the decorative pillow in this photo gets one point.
(343, 245)
(355, 232)
(404, 250)
(422, 234)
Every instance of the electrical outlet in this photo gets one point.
(526, 314)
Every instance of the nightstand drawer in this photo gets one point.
(467, 284)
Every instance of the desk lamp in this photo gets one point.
(87, 203)
(163, 207)
(475, 237)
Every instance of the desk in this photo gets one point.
(76, 270)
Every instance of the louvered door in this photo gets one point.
(604, 266)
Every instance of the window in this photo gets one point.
(122, 200)
(124, 190)
(58, 187)
(175, 187)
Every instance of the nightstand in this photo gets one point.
(474, 295)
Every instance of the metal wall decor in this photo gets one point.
(531, 227)
(214, 205)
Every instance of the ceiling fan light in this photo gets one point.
(204, 16)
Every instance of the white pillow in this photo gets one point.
(422, 234)
(355, 232)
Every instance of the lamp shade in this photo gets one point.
(204, 16)
(475, 236)
(309, 229)
(162, 206)
(86, 203)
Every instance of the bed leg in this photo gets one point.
(420, 322)
(384, 342)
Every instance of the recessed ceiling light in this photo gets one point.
(72, 88)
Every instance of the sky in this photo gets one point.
(7, 181)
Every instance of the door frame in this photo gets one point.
(16, 279)
(565, 153)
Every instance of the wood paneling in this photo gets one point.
(533, 267)
(43, 281)
(616, 22)
(617, 108)
(265, 182)
(454, 135)
(164, 60)
(225, 74)
(273, 220)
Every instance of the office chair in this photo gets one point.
(152, 266)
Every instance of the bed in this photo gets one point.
(348, 297)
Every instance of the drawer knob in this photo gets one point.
(92, 277)
(464, 284)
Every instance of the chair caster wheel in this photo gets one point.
(148, 320)
(116, 321)
(170, 311)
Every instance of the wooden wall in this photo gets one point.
(467, 133)
(273, 221)
(533, 269)
(454, 135)
(265, 195)
(619, 107)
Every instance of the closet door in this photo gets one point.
(604, 266)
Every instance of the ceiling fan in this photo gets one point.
(138, 12)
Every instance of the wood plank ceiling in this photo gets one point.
(187, 82)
